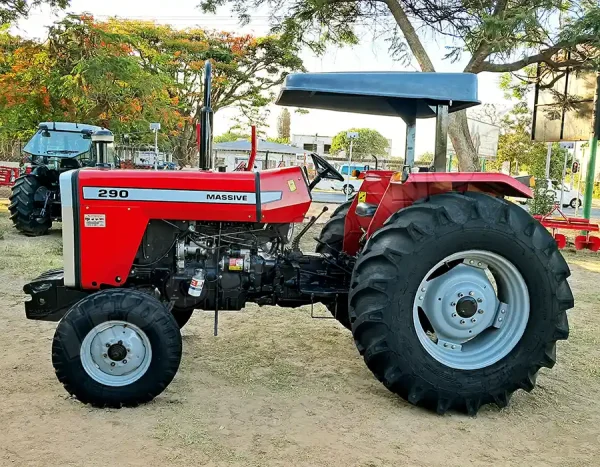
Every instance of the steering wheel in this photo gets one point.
(324, 171)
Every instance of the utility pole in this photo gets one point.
(155, 127)
(591, 168)
(548, 156)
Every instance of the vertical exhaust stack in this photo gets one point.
(206, 120)
(101, 139)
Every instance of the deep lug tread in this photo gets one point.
(129, 305)
(402, 240)
(21, 207)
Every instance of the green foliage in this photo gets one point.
(284, 124)
(12, 10)
(425, 159)
(542, 201)
(369, 142)
(230, 136)
(125, 74)
(279, 140)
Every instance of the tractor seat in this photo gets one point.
(365, 209)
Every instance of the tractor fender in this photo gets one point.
(402, 193)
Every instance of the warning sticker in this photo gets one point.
(94, 220)
(236, 264)
(362, 196)
(292, 185)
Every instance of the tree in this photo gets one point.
(425, 159)
(76, 76)
(12, 10)
(369, 142)
(497, 36)
(284, 125)
(230, 136)
(126, 74)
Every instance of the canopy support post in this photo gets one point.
(441, 138)
(409, 147)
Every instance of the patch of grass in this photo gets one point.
(27, 257)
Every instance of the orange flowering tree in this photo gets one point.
(246, 69)
(125, 74)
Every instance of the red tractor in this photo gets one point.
(455, 296)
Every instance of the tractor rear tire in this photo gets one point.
(388, 282)
(332, 238)
(23, 207)
(117, 348)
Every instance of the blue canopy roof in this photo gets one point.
(401, 94)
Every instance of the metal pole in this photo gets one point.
(155, 148)
(409, 148)
(591, 168)
(579, 180)
(562, 179)
(349, 166)
(441, 138)
(548, 156)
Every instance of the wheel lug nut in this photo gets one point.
(423, 289)
(471, 293)
(453, 304)
(453, 346)
(480, 312)
(445, 345)
(454, 315)
(479, 300)
(421, 297)
(460, 295)
(124, 361)
(120, 342)
(112, 363)
(479, 264)
(502, 311)
(462, 321)
(473, 320)
(471, 262)
(500, 319)
(107, 344)
(105, 355)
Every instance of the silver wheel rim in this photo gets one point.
(116, 353)
(471, 309)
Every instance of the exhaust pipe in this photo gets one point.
(206, 121)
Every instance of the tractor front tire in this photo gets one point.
(393, 296)
(331, 240)
(24, 206)
(117, 348)
(182, 315)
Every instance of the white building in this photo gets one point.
(268, 155)
(322, 144)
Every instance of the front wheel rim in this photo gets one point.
(116, 353)
(471, 309)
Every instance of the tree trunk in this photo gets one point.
(459, 128)
(468, 161)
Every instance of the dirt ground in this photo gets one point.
(279, 388)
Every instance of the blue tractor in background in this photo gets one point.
(55, 148)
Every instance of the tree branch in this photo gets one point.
(410, 35)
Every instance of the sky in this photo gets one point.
(368, 55)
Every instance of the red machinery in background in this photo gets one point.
(582, 241)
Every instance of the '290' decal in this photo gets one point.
(105, 193)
